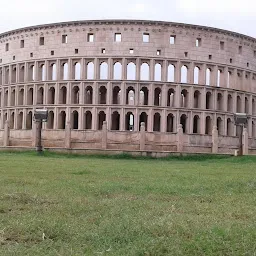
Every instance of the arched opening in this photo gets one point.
(116, 95)
(196, 75)
(103, 70)
(130, 96)
(30, 98)
(238, 104)
(220, 126)
(129, 121)
(29, 121)
(13, 97)
(219, 74)
(246, 105)
(196, 124)
(12, 121)
(53, 72)
(170, 98)
(157, 97)
(50, 121)
(208, 100)
(184, 74)
(219, 101)
(170, 123)
(229, 127)
(88, 95)
(253, 107)
(208, 76)
(144, 119)
(228, 79)
(65, 71)
(230, 103)
(144, 96)
(197, 99)
(158, 72)
(117, 71)
(62, 120)
(208, 125)
(183, 122)
(22, 72)
(21, 97)
(51, 95)
(75, 95)
(88, 120)
(115, 117)
(31, 73)
(101, 119)
(77, 71)
(63, 95)
(20, 121)
(102, 95)
(41, 74)
(90, 71)
(6, 93)
(131, 71)
(14, 75)
(184, 98)
(40, 96)
(144, 71)
(171, 72)
(253, 130)
(74, 120)
(157, 122)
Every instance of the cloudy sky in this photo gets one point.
(234, 15)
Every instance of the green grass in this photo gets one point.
(91, 205)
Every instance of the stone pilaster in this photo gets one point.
(142, 136)
(68, 135)
(104, 135)
(245, 142)
(6, 141)
(215, 140)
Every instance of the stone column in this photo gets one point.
(180, 138)
(215, 140)
(6, 141)
(142, 136)
(245, 142)
(68, 135)
(104, 135)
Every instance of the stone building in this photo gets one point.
(128, 85)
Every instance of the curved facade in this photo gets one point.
(127, 73)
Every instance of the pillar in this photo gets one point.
(142, 136)
(245, 142)
(104, 135)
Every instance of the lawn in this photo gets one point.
(82, 205)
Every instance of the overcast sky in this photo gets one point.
(234, 15)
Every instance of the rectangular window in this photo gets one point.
(31, 54)
(158, 52)
(41, 40)
(7, 47)
(118, 37)
(210, 57)
(254, 54)
(22, 43)
(222, 45)
(198, 42)
(64, 39)
(103, 50)
(90, 37)
(13, 57)
(240, 49)
(186, 54)
(76, 51)
(52, 52)
(131, 51)
(230, 60)
(172, 39)
(145, 37)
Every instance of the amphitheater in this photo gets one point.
(128, 85)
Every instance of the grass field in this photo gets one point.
(61, 205)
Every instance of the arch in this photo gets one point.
(115, 118)
(53, 72)
(131, 71)
(196, 124)
(196, 75)
(129, 121)
(130, 96)
(13, 93)
(104, 70)
(220, 126)
(229, 127)
(208, 76)
(7, 74)
(50, 121)
(246, 105)
(208, 125)
(183, 122)
(90, 70)
(219, 76)
(144, 71)
(219, 101)
(40, 95)
(74, 119)
(88, 96)
(63, 95)
(12, 117)
(20, 121)
(31, 73)
(171, 73)
(29, 120)
(184, 74)
(30, 98)
(6, 93)
(51, 95)
(158, 72)
(88, 120)
(77, 70)
(184, 98)
(170, 123)
(116, 95)
(22, 74)
(230, 103)
(170, 98)
(144, 119)
(42, 72)
(229, 79)
(14, 75)
(117, 71)
(157, 122)
(144, 96)
(65, 71)
(21, 97)
(157, 96)
(62, 120)
(253, 106)
(197, 99)
(101, 119)
(102, 95)
(238, 104)
(253, 130)
(208, 100)
(75, 95)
